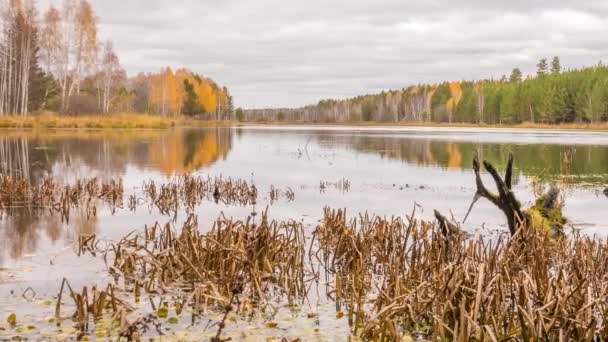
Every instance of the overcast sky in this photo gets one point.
(273, 53)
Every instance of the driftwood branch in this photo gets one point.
(505, 199)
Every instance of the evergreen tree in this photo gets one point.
(191, 104)
(556, 66)
(542, 67)
(516, 75)
(240, 116)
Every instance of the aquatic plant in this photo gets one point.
(265, 258)
(399, 278)
(50, 194)
(190, 191)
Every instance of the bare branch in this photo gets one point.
(509, 172)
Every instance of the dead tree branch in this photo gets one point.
(505, 199)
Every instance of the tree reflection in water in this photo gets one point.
(76, 154)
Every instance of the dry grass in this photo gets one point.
(120, 120)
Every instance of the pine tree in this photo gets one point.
(191, 104)
(516, 75)
(542, 67)
(556, 66)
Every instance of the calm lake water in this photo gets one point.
(391, 171)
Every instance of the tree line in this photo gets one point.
(57, 62)
(552, 95)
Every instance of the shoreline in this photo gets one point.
(132, 121)
(123, 121)
(597, 127)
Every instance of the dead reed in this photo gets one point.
(190, 191)
(49, 194)
(399, 277)
(264, 260)
(95, 302)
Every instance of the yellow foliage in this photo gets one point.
(450, 105)
(170, 92)
(456, 92)
(207, 96)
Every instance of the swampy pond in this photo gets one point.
(384, 171)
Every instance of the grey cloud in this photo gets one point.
(291, 53)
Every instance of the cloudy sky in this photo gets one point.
(273, 53)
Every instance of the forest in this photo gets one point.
(551, 96)
(57, 62)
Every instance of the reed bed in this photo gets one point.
(54, 196)
(257, 261)
(407, 278)
(392, 278)
(190, 191)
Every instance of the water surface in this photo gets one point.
(390, 170)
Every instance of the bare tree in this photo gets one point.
(71, 49)
(109, 77)
(18, 41)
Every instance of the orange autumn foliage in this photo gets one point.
(166, 92)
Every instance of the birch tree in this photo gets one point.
(109, 77)
(18, 55)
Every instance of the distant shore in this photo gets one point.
(525, 125)
(147, 121)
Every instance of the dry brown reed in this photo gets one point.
(193, 190)
(420, 282)
(95, 302)
(265, 260)
(54, 196)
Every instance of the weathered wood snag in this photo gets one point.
(505, 200)
(545, 214)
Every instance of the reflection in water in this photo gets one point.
(60, 153)
(106, 154)
(67, 155)
(188, 151)
(576, 163)
(14, 157)
(23, 229)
